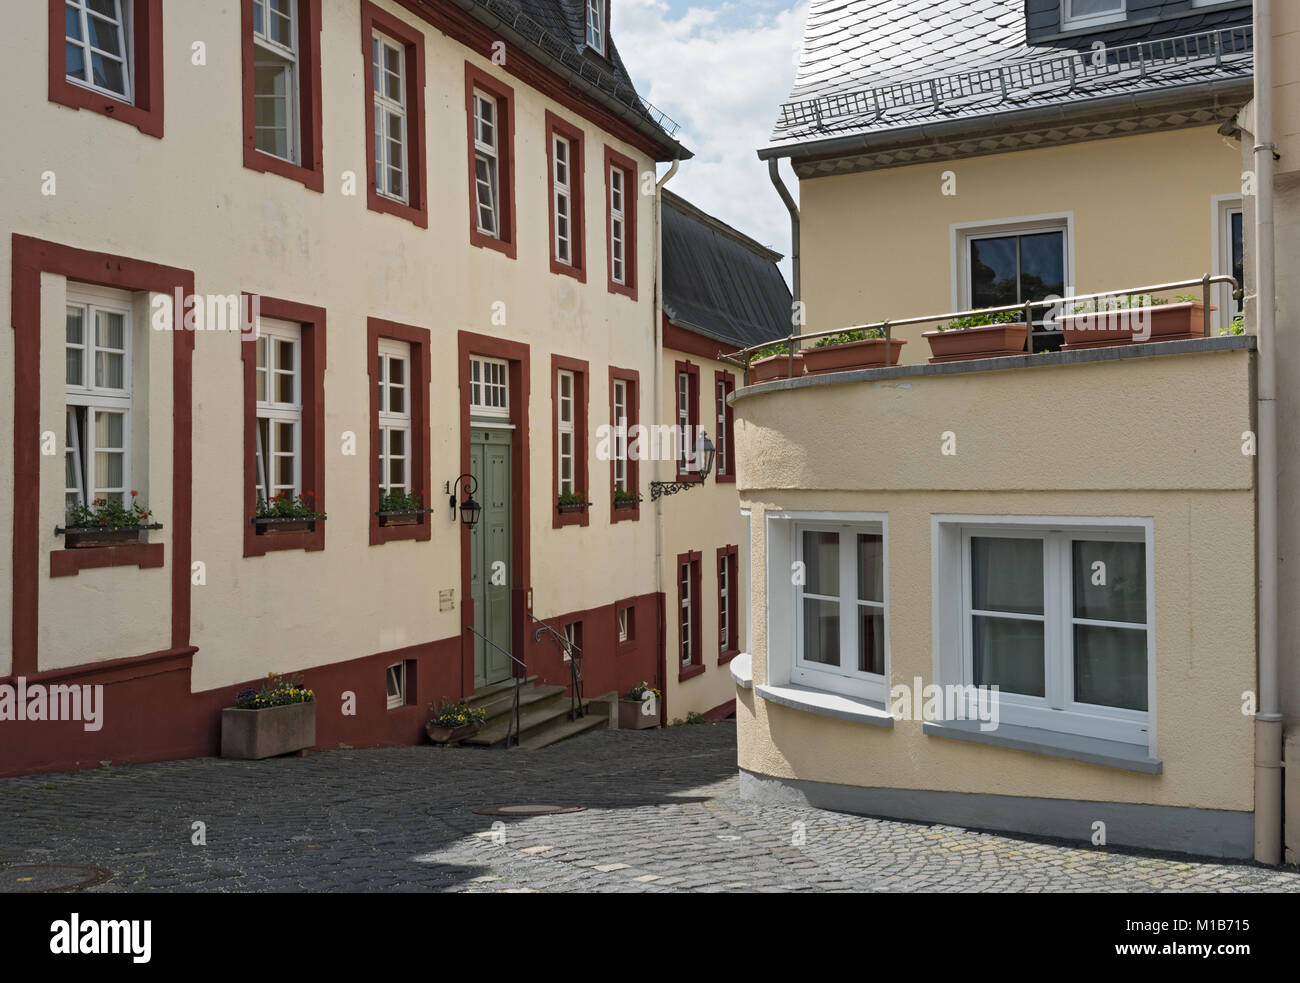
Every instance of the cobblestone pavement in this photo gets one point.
(662, 815)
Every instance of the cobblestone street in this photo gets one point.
(662, 815)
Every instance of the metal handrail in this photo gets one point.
(743, 357)
(575, 665)
(519, 680)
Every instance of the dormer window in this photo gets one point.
(1091, 13)
(596, 25)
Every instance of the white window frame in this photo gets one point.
(566, 438)
(392, 421)
(618, 225)
(596, 25)
(125, 37)
(89, 399)
(623, 624)
(724, 603)
(293, 96)
(961, 234)
(620, 434)
(685, 450)
(845, 678)
(562, 197)
(395, 700)
(386, 110)
(684, 623)
(276, 412)
(720, 450)
(1222, 208)
(487, 153)
(1070, 22)
(784, 615)
(489, 387)
(1056, 710)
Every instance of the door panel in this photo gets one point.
(491, 576)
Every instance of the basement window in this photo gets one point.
(396, 685)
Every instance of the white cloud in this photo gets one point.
(722, 72)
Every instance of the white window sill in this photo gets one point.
(1093, 750)
(742, 670)
(827, 704)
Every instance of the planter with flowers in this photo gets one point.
(454, 722)
(625, 500)
(287, 513)
(106, 522)
(572, 502)
(639, 709)
(1133, 320)
(861, 348)
(773, 362)
(978, 336)
(401, 508)
(278, 717)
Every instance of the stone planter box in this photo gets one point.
(81, 539)
(387, 519)
(449, 735)
(984, 341)
(775, 367)
(256, 734)
(1167, 322)
(870, 353)
(630, 716)
(573, 507)
(627, 505)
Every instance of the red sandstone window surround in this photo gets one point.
(396, 178)
(690, 656)
(490, 121)
(569, 392)
(687, 418)
(624, 414)
(414, 402)
(565, 167)
(724, 466)
(728, 603)
(621, 197)
(119, 76)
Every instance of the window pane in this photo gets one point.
(108, 470)
(107, 73)
(1007, 575)
(103, 35)
(1110, 581)
(72, 22)
(871, 640)
(74, 62)
(993, 272)
(821, 557)
(871, 567)
(284, 472)
(109, 369)
(397, 443)
(109, 430)
(284, 443)
(1083, 8)
(109, 330)
(1110, 666)
(397, 473)
(1009, 654)
(821, 631)
(1042, 265)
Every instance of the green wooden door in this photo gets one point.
(490, 556)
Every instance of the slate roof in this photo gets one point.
(718, 282)
(867, 66)
(556, 30)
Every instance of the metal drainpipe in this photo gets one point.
(774, 172)
(659, 407)
(1268, 720)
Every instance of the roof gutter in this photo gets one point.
(1268, 719)
(986, 125)
(672, 150)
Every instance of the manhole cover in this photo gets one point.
(39, 878)
(527, 809)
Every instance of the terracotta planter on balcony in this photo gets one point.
(1166, 322)
(630, 716)
(984, 341)
(775, 367)
(866, 354)
(257, 734)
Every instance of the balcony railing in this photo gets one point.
(793, 343)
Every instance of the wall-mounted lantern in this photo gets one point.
(469, 509)
(704, 452)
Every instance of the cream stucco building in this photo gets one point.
(1075, 525)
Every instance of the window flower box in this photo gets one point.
(978, 336)
(106, 523)
(1179, 321)
(626, 503)
(275, 526)
(279, 718)
(572, 502)
(402, 517)
(286, 513)
(852, 350)
(774, 363)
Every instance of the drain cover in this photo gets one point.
(527, 809)
(39, 878)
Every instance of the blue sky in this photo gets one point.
(721, 69)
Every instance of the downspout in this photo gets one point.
(1268, 719)
(659, 410)
(774, 172)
